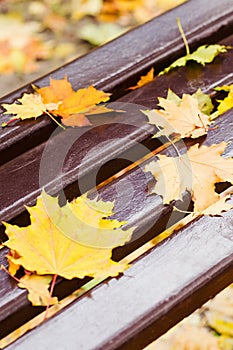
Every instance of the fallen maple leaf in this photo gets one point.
(180, 116)
(198, 172)
(204, 54)
(145, 79)
(73, 106)
(31, 106)
(59, 99)
(82, 102)
(43, 248)
(37, 286)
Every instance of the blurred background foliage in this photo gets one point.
(38, 36)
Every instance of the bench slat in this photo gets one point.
(140, 210)
(137, 329)
(162, 287)
(15, 194)
(119, 64)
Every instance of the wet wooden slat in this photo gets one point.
(135, 328)
(124, 60)
(132, 203)
(159, 289)
(130, 129)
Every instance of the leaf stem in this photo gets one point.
(50, 295)
(183, 36)
(55, 120)
(9, 122)
(182, 211)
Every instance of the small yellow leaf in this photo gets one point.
(37, 286)
(13, 267)
(227, 102)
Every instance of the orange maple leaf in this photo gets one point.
(145, 79)
(56, 92)
(73, 106)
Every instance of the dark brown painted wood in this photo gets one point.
(157, 291)
(132, 203)
(118, 65)
(150, 301)
(115, 135)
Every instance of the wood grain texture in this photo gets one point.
(158, 290)
(119, 64)
(180, 274)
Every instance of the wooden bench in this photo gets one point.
(169, 280)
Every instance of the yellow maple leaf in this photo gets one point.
(43, 248)
(37, 286)
(145, 79)
(31, 106)
(198, 172)
(184, 118)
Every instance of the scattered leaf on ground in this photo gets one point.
(100, 33)
(38, 289)
(180, 116)
(21, 45)
(199, 171)
(145, 79)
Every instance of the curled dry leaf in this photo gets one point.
(197, 171)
